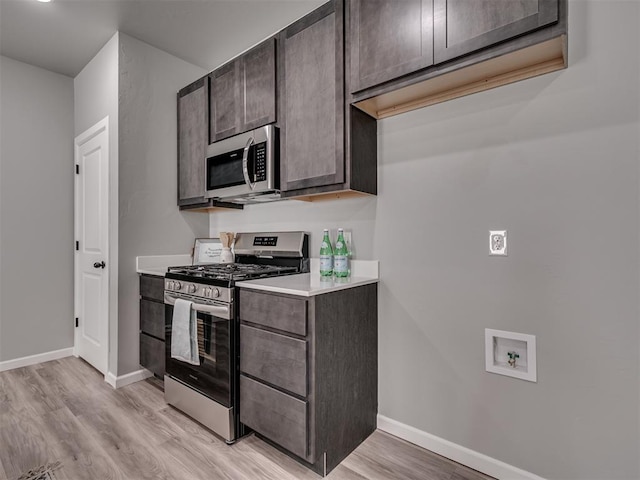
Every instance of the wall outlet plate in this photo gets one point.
(498, 242)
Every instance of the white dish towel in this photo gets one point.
(184, 333)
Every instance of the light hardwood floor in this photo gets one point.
(64, 411)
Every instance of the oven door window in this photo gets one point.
(213, 376)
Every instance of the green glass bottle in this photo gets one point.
(326, 256)
(341, 256)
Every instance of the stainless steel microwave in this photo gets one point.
(244, 168)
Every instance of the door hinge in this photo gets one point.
(77, 169)
(76, 322)
(77, 245)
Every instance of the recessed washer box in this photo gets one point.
(502, 346)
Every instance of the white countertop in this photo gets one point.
(309, 284)
(158, 264)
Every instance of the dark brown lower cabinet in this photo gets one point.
(152, 347)
(309, 372)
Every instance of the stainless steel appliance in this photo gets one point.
(209, 392)
(244, 168)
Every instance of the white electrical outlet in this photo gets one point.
(498, 242)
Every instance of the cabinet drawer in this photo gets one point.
(152, 287)
(283, 313)
(152, 354)
(277, 416)
(274, 358)
(152, 318)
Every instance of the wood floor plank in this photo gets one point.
(14, 396)
(194, 463)
(66, 380)
(342, 472)
(263, 449)
(64, 411)
(189, 427)
(464, 473)
(391, 458)
(3, 474)
(131, 454)
(24, 444)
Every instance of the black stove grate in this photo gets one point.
(231, 271)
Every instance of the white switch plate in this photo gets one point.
(498, 242)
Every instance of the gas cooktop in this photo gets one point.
(229, 271)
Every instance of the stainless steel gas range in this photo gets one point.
(209, 392)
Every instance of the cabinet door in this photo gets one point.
(152, 318)
(152, 354)
(389, 38)
(311, 63)
(192, 142)
(463, 26)
(225, 101)
(258, 79)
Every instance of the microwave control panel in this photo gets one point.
(260, 156)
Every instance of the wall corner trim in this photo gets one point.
(128, 379)
(470, 458)
(35, 359)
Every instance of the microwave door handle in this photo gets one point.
(245, 164)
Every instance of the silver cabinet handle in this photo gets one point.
(245, 164)
(221, 311)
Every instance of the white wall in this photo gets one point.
(36, 210)
(135, 84)
(554, 160)
(149, 220)
(96, 97)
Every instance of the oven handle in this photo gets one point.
(245, 164)
(221, 311)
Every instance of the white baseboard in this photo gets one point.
(129, 378)
(35, 359)
(470, 458)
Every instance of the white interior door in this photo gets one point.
(92, 247)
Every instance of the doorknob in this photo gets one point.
(99, 264)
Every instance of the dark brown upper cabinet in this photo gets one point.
(326, 145)
(192, 142)
(243, 92)
(388, 39)
(475, 45)
(464, 26)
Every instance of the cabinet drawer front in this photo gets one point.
(275, 415)
(283, 313)
(152, 318)
(274, 358)
(152, 353)
(152, 287)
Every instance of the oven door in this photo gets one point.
(213, 377)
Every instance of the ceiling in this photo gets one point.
(62, 36)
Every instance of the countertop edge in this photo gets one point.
(154, 272)
(304, 290)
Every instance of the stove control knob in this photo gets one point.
(169, 285)
(215, 293)
(191, 288)
(177, 286)
(207, 292)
